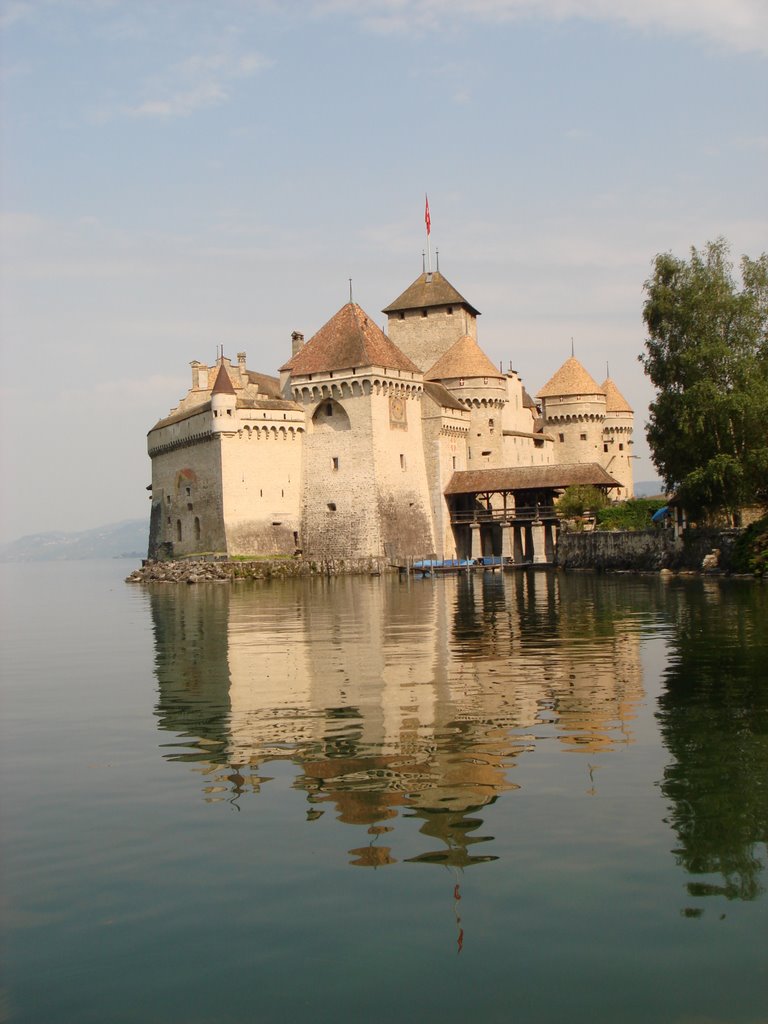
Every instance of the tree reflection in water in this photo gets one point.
(713, 715)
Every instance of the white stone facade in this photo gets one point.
(349, 452)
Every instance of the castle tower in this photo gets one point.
(467, 372)
(365, 489)
(573, 407)
(617, 439)
(223, 402)
(428, 318)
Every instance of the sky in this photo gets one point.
(179, 175)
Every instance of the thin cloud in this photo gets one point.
(13, 13)
(740, 25)
(199, 82)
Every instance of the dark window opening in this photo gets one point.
(582, 437)
(197, 528)
(335, 462)
(178, 529)
(331, 506)
(561, 437)
(423, 312)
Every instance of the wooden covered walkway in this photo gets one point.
(512, 512)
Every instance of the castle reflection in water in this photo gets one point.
(392, 697)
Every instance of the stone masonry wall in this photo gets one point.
(425, 338)
(643, 550)
(186, 486)
(261, 482)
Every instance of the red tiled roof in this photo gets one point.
(464, 358)
(442, 396)
(524, 478)
(570, 379)
(349, 340)
(614, 400)
(426, 291)
(222, 385)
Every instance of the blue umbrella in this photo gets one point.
(660, 516)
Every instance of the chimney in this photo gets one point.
(297, 340)
(241, 361)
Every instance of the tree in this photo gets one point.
(707, 355)
(580, 498)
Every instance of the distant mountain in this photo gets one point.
(127, 539)
(649, 489)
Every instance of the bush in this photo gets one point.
(578, 499)
(634, 514)
(750, 552)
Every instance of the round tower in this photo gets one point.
(467, 372)
(617, 439)
(223, 402)
(573, 407)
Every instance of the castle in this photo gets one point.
(408, 444)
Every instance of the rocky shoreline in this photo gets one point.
(224, 571)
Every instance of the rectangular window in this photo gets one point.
(605, 447)
(582, 437)
(402, 462)
(561, 437)
(335, 462)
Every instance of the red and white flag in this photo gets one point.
(427, 218)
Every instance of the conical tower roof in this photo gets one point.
(350, 339)
(570, 379)
(222, 385)
(429, 289)
(464, 358)
(614, 400)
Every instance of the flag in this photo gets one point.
(427, 218)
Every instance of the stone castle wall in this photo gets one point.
(425, 338)
(187, 498)
(261, 481)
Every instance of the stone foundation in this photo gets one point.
(222, 571)
(643, 550)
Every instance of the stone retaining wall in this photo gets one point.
(643, 550)
(215, 571)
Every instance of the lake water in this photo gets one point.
(532, 797)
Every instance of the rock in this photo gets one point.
(711, 561)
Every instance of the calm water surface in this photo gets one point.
(534, 797)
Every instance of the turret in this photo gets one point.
(223, 402)
(617, 438)
(573, 409)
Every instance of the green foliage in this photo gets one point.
(707, 355)
(578, 499)
(634, 514)
(750, 553)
